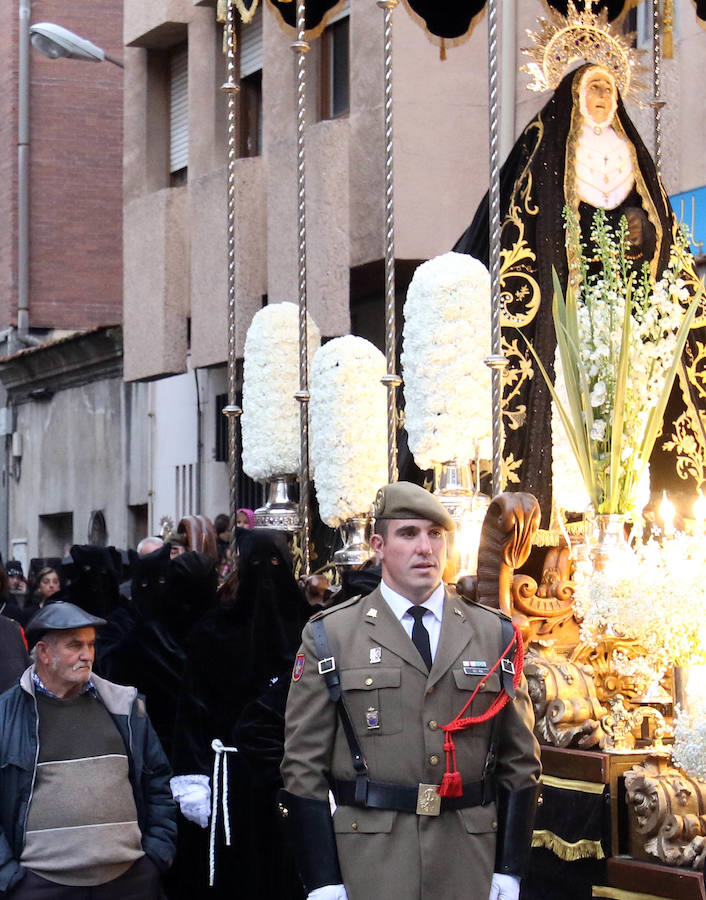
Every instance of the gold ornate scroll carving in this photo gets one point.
(667, 814)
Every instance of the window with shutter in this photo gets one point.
(178, 115)
(250, 96)
(334, 81)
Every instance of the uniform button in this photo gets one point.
(433, 725)
(354, 826)
(368, 681)
(494, 826)
(434, 760)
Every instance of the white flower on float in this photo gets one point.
(348, 409)
(446, 338)
(271, 416)
(689, 749)
(646, 602)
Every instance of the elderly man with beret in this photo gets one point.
(85, 805)
(423, 811)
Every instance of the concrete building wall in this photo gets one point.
(156, 242)
(73, 464)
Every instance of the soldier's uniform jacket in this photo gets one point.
(396, 708)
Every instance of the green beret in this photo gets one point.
(404, 500)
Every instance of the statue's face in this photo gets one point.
(599, 97)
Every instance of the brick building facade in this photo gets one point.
(75, 177)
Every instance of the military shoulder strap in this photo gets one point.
(507, 670)
(329, 670)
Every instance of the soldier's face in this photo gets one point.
(65, 660)
(412, 556)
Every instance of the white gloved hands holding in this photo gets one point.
(504, 887)
(328, 892)
(193, 794)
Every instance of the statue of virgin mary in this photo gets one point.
(580, 152)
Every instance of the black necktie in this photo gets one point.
(420, 636)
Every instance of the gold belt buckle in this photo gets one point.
(428, 800)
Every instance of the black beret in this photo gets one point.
(59, 616)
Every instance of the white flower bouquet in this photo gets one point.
(658, 600)
(620, 338)
(348, 410)
(271, 416)
(689, 749)
(446, 338)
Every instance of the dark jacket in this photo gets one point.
(14, 658)
(149, 772)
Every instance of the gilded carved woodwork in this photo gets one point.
(667, 814)
(566, 708)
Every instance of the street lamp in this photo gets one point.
(55, 41)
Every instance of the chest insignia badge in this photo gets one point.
(475, 667)
(375, 655)
(372, 612)
(372, 718)
(458, 612)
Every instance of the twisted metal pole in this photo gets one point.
(391, 380)
(300, 48)
(496, 361)
(232, 410)
(657, 103)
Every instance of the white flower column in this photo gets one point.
(270, 420)
(348, 410)
(446, 338)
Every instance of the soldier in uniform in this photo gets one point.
(376, 682)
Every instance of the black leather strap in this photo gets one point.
(329, 671)
(506, 676)
(507, 665)
(402, 798)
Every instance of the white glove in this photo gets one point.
(328, 892)
(504, 887)
(193, 794)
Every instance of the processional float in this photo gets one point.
(603, 726)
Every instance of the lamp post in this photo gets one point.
(55, 41)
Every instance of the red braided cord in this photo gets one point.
(460, 724)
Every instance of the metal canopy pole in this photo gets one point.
(391, 380)
(657, 103)
(300, 48)
(232, 410)
(496, 361)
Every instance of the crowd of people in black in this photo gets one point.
(211, 646)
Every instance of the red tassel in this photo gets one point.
(451, 785)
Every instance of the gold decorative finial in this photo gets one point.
(582, 35)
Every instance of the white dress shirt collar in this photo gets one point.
(399, 604)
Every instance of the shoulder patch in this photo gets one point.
(298, 669)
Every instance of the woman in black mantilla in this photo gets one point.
(582, 151)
